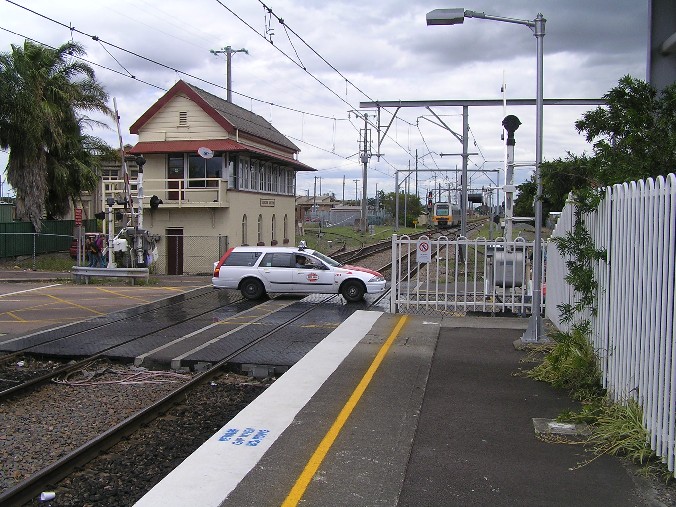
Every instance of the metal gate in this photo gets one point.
(462, 275)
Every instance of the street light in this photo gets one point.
(456, 16)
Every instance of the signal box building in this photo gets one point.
(216, 175)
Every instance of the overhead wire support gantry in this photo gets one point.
(465, 104)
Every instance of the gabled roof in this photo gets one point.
(228, 115)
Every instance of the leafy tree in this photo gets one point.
(523, 204)
(410, 202)
(559, 178)
(634, 134)
(634, 137)
(43, 92)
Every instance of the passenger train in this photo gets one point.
(445, 215)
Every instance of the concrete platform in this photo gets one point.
(400, 410)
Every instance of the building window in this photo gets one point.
(244, 228)
(183, 119)
(244, 173)
(232, 174)
(198, 169)
(274, 228)
(258, 176)
(201, 170)
(260, 228)
(291, 183)
(275, 179)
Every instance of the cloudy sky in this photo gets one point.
(328, 56)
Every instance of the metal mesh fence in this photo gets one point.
(188, 255)
(175, 255)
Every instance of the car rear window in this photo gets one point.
(242, 258)
(276, 260)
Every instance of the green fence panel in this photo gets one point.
(18, 238)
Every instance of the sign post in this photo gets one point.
(424, 254)
(79, 234)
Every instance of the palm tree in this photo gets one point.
(43, 94)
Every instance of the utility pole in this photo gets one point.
(356, 199)
(365, 155)
(314, 204)
(416, 174)
(377, 204)
(343, 189)
(228, 58)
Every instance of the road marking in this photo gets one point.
(16, 317)
(123, 295)
(324, 446)
(214, 470)
(29, 290)
(76, 305)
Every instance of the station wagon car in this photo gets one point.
(257, 270)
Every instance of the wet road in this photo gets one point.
(30, 306)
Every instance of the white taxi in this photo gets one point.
(257, 270)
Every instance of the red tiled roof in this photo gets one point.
(183, 146)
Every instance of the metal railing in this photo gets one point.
(463, 275)
(633, 328)
(201, 192)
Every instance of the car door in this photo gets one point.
(276, 271)
(315, 277)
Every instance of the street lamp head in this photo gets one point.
(446, 16)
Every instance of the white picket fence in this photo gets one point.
(461, 275)
(633, 330)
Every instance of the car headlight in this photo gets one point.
(377, 279)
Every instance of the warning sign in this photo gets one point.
(424, 251)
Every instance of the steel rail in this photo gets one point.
(37, 381)
(29, 489)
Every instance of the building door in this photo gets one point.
(176, 171)
(174, 251)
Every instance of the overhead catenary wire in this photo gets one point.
(127, 73)
(155, 62)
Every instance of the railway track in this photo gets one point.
(27, 490)
(49, 476)
(204, 301)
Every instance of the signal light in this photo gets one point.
(100, 215)
(155, 202)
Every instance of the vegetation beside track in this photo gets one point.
(331, 239)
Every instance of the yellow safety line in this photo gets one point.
(122, 295)
(16, 317)
(75, 304)
(322, 449)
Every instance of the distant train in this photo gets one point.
(445, 215)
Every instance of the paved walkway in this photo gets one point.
(443, 421)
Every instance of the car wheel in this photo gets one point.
(352, 291)
(252, 288)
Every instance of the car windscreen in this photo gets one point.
(242, 258)
(328, 260)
